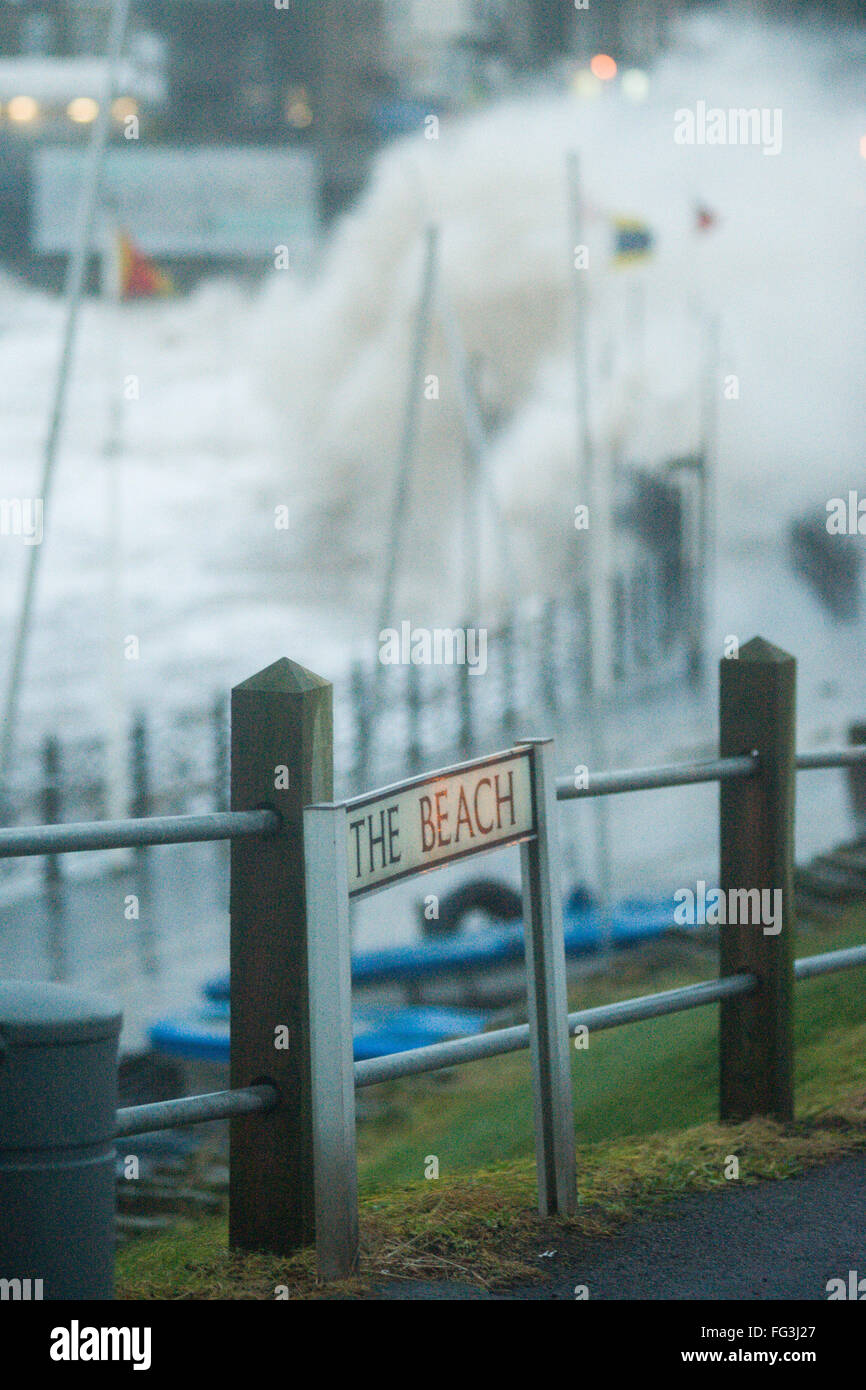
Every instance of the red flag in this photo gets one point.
(140, 277)
(705, 218)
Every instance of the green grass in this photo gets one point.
(645, 1096)
(643, 1078)
(483, 1229)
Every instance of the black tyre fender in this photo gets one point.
(499, 901)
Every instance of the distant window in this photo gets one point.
(88, 31)
(38, 33)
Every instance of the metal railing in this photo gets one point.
(275, 718)
(687, 774)
(448, 1054)
(22, 841)
(652, 778)
(18, 842)
(196, 1110)
(231, 825)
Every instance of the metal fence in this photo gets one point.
(175, 761)
(291, 1099)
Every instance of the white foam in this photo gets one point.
(782, 269)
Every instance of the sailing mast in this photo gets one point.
(75, 279)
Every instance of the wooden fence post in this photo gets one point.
(282, 757)
(620, 638)
(140, 760)
(757, 697)
(547, 656)
(139, 748)
(856, 777)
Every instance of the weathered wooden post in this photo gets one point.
(140, 779)
(140, 759)
(547, 656)
(282, 758)
(856, 777)
(757, 714)
(619, 618)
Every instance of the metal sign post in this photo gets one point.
(547, 998)
(364, 845)
(329, 979)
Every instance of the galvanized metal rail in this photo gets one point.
(828, 961)
(140, 1119)
(831, 757)
(448, 1054)
(195, 1110)
(650, 778)
(229, 825)
(686, 774)
(27, 841)
(20, 842)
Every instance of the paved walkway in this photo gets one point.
(777, 1240)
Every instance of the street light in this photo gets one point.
(603, 67)
(82, 110)
(22, 109)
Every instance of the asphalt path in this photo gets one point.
(782, 1240)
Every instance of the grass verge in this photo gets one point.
(645, 1095)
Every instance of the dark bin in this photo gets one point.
(58, 1098)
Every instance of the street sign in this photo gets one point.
(368, 842)
(429, 821)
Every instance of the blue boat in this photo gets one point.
(391, 1016)
(204, 1037)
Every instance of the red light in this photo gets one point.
(603, 67)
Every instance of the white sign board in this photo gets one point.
(432, 820)
(219, 201)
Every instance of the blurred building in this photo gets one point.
(385, 64)
(217, 71)
(325, 80)
(342, 75)
(459, 45)
(197, 75)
